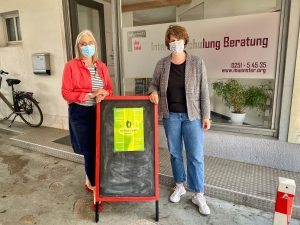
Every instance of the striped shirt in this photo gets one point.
(97, 83)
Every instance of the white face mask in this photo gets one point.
(177, 46)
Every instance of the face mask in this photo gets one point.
(88, 50)
(177, 46)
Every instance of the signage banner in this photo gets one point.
(232, 47)
(128, 129)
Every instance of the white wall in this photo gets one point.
(41, 30)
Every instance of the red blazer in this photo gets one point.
(76, 81)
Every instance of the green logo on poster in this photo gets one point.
(129, 129)
(128, 124)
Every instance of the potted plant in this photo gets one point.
(238, 97)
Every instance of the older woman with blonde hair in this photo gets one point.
(180, 83)
(85, 82)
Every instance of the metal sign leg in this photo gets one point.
(96, 212)
(156, 211)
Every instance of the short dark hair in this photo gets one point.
(178, 32)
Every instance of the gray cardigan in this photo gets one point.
(196, 87)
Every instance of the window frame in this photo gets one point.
(273, 131)
(13, 16)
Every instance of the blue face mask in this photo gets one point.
(88, 51)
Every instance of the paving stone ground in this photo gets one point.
(40, 189)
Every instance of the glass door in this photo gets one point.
(89, 15)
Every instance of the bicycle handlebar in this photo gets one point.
(3, 72)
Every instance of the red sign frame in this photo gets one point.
(98, 161)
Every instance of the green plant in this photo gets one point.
(238, 97)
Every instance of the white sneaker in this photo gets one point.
(178, 191)
(200, 201)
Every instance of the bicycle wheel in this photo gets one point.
(29, 111)
(5, 111)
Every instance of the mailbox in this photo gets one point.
(41, 63)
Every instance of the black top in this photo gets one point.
(176, 89)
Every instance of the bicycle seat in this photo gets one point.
(11, 82)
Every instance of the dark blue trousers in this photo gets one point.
(82, 126)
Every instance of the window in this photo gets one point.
(12, 23)
(194, 13)
(239, 42)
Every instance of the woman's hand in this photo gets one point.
(100, 94)
(154, 97)
(100, 91)
(99, 98)
(206, 124)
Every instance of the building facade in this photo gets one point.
(253, 42)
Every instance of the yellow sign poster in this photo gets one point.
(128, 129)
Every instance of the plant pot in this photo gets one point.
(237, 118)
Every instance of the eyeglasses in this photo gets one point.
(86, 43)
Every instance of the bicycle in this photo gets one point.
(23, 105)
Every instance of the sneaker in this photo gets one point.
(200, 201)
(178, 191)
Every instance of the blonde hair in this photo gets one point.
(178, 32)
(78, 54)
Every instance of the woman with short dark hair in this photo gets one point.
(180, 83)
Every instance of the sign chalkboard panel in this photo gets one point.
(126, 149)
